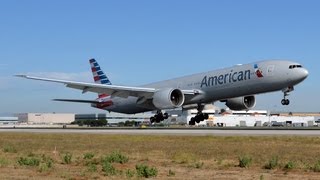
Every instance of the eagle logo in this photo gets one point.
(258, 71)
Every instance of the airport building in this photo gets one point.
(45, 118)
(251, 118)
(8, 120)
(258, 118)
(114, 118)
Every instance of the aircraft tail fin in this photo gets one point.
(99, 76)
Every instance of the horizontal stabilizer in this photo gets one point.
(77, 100)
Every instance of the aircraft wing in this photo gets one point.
(115, 91)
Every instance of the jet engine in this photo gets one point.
(168, 98)
(241, 103)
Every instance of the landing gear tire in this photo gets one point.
(152, 119)
(192, 121)
(198, 119)
(165, 116)
(285, 102)
(200, 116)
(158, 117)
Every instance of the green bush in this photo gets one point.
(244, 161)
(198, 165)
(145, 171)
(130, 173)
(88, 156)
(289, 165)
(29, 161)
(67, 158)
(3, 162)
(9, 149)
(43, 162)
(108, 169)
(92, 167)
(316, 167)
(116, 157)
(273, 163)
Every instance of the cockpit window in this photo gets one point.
(295, 66)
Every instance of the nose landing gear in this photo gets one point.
(286, 91)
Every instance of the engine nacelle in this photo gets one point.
(168, 98)
(241, 103)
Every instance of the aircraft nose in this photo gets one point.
(305, 73)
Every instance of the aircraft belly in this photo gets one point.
(126, 105)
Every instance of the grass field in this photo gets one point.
(87, 156)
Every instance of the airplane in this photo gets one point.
(236, 86)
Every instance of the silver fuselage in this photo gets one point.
(236, 81)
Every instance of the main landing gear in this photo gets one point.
(158, 117)
(285, 101)
(200, 116)
(286, 91)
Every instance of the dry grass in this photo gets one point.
(175, 157)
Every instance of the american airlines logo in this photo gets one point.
(231, 77)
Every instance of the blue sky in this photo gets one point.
(138, 42)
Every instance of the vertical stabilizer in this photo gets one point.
(98, 75)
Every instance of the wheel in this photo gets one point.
(152, 119)
(197, 119)
(191, 122)
(287, 101)
(205, 116)
(159, 119)
(283, 101)
(165, 116)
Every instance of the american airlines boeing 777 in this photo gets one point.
(236, 86)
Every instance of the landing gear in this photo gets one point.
(158, 117)
(286, 91)
(200, 116)
(285, 102)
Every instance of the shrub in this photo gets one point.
(145, 171)
(88, 156)
(3, 162)
(67, 158)
(108, 169)
(9, 149)
(92, 167)
(29, 161)
(130, 173)
(116, 157)
(289, 165)
(44, 163)
(198, 165)
(316, 167)
(244, 161)
(272, 164)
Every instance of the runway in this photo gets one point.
(174, 132)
